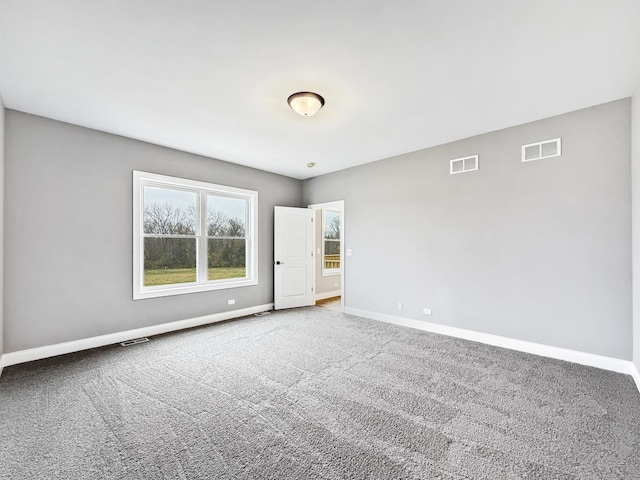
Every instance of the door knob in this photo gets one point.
(279, 262)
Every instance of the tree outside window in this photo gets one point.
(191, 236)
(331, 224)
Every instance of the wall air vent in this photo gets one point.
(539, 150)
(465, 164)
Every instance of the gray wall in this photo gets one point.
(329, 283)
(1, 228)
(538, 251)
(69, 234)
(635, 148)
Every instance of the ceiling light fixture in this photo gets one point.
(305, 103)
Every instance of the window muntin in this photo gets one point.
(331, 227)
(191, 236)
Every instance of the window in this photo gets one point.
(191, 236)
(331, 226)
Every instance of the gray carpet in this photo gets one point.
(312, 393)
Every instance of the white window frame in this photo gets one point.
(202, 189)
(327, 272)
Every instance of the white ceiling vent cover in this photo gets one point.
(539, 150)
(465, 164)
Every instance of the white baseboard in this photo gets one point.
(38, 353)
(592, 360)
(322, 296)
(589, 359)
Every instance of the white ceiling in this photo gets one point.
(212, 77)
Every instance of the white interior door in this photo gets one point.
(293, 258)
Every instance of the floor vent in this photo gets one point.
(135, 341)
(465, 164)
(540, 150)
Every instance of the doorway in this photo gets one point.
(329, 254)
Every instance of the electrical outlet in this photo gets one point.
(399, 305)
(231, 301)
(426, 311)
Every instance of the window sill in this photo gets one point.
(156, 292)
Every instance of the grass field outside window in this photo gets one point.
(172, 276)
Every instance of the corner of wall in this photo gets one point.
(635, 221)
(2, 135)
(636, 375)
